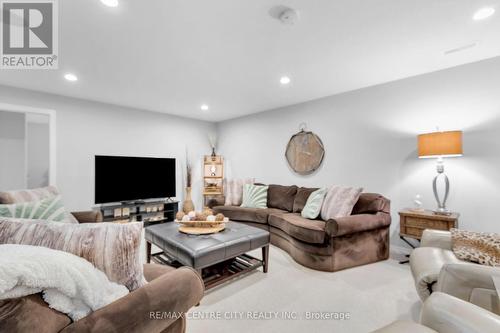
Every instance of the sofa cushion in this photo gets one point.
(370, 203)
(237, 213)
(301, 198)
(30, 314)
(310, 231)
(281, 197)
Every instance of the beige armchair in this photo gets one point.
(447, 314)
(436, 268)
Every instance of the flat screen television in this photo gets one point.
(119, 179)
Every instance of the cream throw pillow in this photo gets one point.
(50, 209)
(339, 202)
(254, 196)
(312, 209)
(234, 191)
(112, 248)
(35, 194)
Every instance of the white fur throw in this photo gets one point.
(339, 201)
(233, 191)
(70, 284)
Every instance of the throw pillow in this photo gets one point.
(50, 209)
(254, 196)
(339, 202)
(301, 198)
(112, 248)
(17, 196)
(281, 197)
(478, 247)
(313, 205)
(234, 191)
(35, 194)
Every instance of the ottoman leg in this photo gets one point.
(148, 252)
(265, 258)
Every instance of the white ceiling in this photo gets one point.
(172, 56)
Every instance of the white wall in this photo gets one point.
(38, 151)
(85, 129)
(12, 150)
(370, 141)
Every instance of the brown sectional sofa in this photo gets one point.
(358, 239)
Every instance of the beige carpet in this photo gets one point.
(371, 295)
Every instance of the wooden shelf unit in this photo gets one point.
(213, 179)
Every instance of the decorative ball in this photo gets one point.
(192, 214)
(179, 216)
(208, 212)
(201, 217)
(219, 217)
(211, 218)
(185, 218)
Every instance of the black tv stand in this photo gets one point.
(133, 202)
(149, 212)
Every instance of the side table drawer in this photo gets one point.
(415, 222)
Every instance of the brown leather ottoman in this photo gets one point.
(217, 257)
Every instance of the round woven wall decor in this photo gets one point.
(304, 152)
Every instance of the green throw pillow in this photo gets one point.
(51, 209)
(313, 204)
(254, 196)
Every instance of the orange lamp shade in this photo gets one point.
(440, 144)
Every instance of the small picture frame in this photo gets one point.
(126, 212)
(117, 212)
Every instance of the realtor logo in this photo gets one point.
(29, 34)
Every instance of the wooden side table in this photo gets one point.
(412, 224)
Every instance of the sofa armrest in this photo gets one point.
(356, 223)
(151, 308)
(436, 238)
(91, 216)
(447, 314)
(463, 280)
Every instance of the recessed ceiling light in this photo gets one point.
(484, 13)
(285, 80)
(110, 3)
(204, 107)
(70, 77)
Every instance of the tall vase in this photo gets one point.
(187, 205)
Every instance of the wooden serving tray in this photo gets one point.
(201, 224)
(201, 230)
